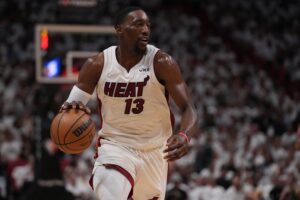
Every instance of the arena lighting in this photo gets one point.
(44, 39)
(52, 68)
(78, 3)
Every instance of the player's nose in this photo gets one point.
(146, 29)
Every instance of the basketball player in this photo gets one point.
(133, 81)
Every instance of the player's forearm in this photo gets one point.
(189, 121)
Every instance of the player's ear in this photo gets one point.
(118, 28)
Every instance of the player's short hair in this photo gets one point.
(122, 14)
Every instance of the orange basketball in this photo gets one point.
(72, 131)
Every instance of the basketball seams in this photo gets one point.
(64, 141)
(58, 126)
(64, 124)
(53, 135)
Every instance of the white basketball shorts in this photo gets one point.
(145, 170)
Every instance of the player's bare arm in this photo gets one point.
(87, 80)
(90, 73)
(168, 73)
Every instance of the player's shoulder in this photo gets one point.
(99, 58)
(95, 61)
(164, 66)
(93, 65)
(164, 59)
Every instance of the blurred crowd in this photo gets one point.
(241, 62)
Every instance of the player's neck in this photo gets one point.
(127, 58)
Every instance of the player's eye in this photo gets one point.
(139, 24)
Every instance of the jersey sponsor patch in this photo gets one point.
(147, 69)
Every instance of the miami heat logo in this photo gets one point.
(120, 89)
(130, 89)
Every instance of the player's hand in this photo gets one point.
(75, 105)
(177, 146)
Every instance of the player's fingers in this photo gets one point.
(77, 105)
(176, 154)
(74, 104)
(65, 106)
(171, 140)
(175, 139)
(88, 110)
(172, 147)
(171, 155)
(81, 106)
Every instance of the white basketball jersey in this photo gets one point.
(133, 105)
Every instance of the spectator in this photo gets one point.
(242, 64)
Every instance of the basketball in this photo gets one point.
(72, 131)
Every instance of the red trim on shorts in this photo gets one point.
(98, 144)
(91, 181)
(122, 171)
(125, 173)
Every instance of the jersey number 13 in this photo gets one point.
(135, 106)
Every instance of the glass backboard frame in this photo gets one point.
(65, 28)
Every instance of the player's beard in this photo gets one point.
(140, 51)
